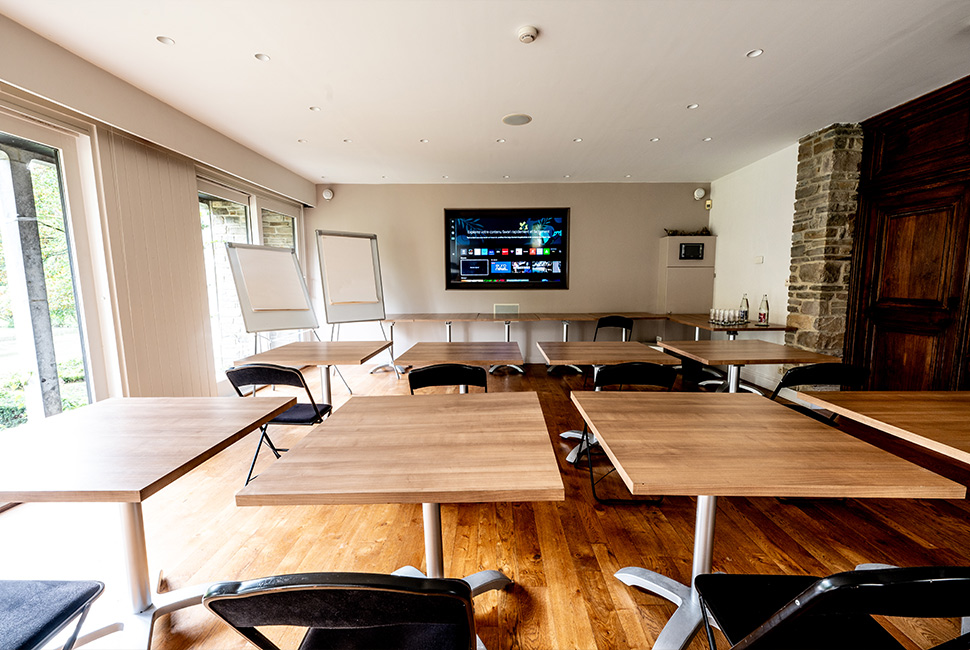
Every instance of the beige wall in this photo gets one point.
(752, 215)
(614, 250)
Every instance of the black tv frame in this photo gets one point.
(514, 215)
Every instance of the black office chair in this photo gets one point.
(634, 373)
(350, 610)
(448, 374)
(32, 612)
(622, 322)
(258, 374)
(820, 374)
(766, 612)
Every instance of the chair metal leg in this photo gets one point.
(587, 448)
(263, 438)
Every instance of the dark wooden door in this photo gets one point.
(909, 323)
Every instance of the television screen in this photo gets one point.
(509, 248)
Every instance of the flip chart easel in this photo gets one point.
(350, 272)
(271, 289)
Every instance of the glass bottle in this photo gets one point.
(763, 312)
(743, 310)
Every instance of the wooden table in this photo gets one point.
(476, 354)
(938, 421)
(125, 450)
(737, 353)
(323, 354)
(601, 353)
(719, 444)
(702, 322)
(473, 448)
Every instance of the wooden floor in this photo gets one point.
(562, 556)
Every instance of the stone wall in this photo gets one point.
(826, 198)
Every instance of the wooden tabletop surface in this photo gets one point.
(319, 353)
(473, 448)
(435, 318)
(124, 449)
(743, 352)
(703, 321)
(560, 353)
(936, 420)
(723, 444)
(524, 316)
(477, 354)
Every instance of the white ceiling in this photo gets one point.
(616, 73)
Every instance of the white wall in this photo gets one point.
(752, 215)
(615, 232)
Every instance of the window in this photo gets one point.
(41, 349)
(225, 215)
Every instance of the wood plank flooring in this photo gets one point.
(562, 556)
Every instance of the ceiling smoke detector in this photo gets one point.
(528, 33)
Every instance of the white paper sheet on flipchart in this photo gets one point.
(349, 270)
(272, 280)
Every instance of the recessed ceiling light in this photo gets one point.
(506, 176)
(301, 141)
(261, 57)
(654, 139)
(315, 109)
(500, 140)
(628, 176)
(707, 139)
(565, 175)
(423, 140)
(517, 119)
(755, 53)
(691, 107)
(165, 40)
(348, 140)
(383, 176)
(577, 139)
(445, 176)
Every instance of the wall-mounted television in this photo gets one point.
(507, 248)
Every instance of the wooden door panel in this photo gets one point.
(903, 360)
(914, 257)
(912, 299)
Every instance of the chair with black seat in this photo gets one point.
(633, 373)
(33, 612)
(624, 324)
(268, 374)
(820, 374)
(350, 610)
(772, 612)
(448, 374)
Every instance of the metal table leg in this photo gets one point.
(685, 622)
(508, 339)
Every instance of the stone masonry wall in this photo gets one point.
(826, 197)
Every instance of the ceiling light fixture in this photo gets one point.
(691, 107)
(565, 175)
(165, 40)
(755, 53)
(654, 139)
(423, 141)
(348, 140)
(315, 109)
(628, 176)
(506, 176)
(301, 141)
(517, 119)
(577, 139)
(707, 139)
(261, 57)
(528, 33)
(445, 176)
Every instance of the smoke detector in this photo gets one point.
(528, 33)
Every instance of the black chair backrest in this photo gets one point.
(448, 374)
(257, 374)
(635, 373)
(822, 374)
(614, 321)
(918, 592)
(351, 610)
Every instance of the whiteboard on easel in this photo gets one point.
(271, 288)
(350, 273)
